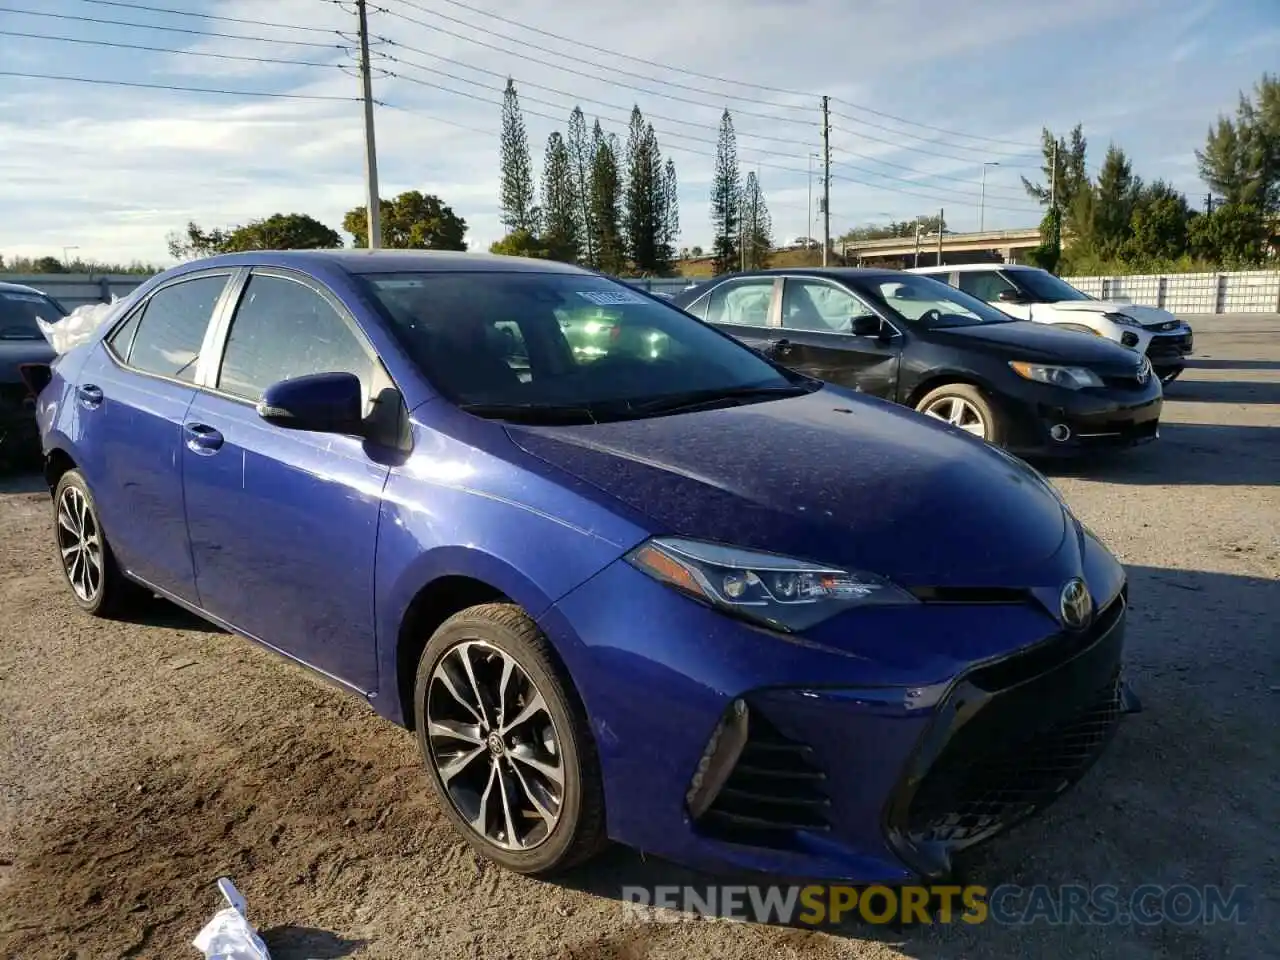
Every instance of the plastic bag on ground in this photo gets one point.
(77, 326)
(229, 935)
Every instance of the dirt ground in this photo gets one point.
(139, 762)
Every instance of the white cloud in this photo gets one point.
(113, 169)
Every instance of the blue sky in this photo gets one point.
(112, 169)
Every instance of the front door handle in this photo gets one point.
(90, 395)
(779, 348)
(202, 439)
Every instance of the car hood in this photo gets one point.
(16, 352)
(1147, 316)
(1023, 340)
(829, 476)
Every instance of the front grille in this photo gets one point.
(775, 789)
(973, 790)
(1162, 346)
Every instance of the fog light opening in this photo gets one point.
(1060, 432)
(718, 759)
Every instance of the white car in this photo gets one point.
(1029, 293)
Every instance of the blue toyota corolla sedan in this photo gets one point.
(624, 577)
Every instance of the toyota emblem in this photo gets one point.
(1144, 370)
(1075, 605)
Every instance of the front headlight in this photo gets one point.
(1073, 378)
(1122, 318)
(781, 592)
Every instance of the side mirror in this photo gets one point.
(318, 403)
(866, 326)
(1010, 296)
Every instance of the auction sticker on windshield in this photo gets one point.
(610, 298)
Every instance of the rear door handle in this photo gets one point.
(90, 396)
(202, 439)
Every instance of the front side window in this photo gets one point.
(744, 302)
(818, 306)
(1047, 288)
(285, 329)
(559, 340)
(19, 311)
(924, 302)
(986, 285)
(171, 328)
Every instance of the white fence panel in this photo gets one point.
(1252, 291)
(1257, 291)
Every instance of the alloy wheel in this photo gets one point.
(958, 412)
(494, 745)
(79, 543)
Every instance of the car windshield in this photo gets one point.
(925, 302)
(1044, 286)
(19, 310)
(534, 346)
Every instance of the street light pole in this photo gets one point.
(982, 197)
(66, 261)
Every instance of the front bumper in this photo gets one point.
(1110, 417)
(858, 734)
(1170, 349)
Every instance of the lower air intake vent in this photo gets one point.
(773, 791)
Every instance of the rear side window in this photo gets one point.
(171, 328)
(743, 302)
(284, 329)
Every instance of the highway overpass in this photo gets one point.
(988, 245)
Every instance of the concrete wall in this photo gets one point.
(1253, 291)
(75, 289)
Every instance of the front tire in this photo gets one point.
(1168, 374)
(507, 743)
(98, 585)
(966, 407)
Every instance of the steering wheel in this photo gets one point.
(931, 316)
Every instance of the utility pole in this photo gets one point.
(916, 261)
(1208, 203)
(370, 146)
(808, 226)
(941, 219)
(982, 197)
(826, 178)
(1056, 239)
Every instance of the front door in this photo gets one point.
(283, 523)
(134, 392)
(818, 318)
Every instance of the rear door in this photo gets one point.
(284, 523)
(817, 324)
(133, 395)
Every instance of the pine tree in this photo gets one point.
(726, 196)
(1072, 169)
(1115, 198)
(581, 154)
(560, 217)
(518, 204)
(643, 216)
(757, 225)
(1241, 158)
(605, 205)
(671, 213)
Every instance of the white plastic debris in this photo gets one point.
(77, 326)
(229, 935)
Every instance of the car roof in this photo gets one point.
(971, 267)
(21, 288)
(362, 261)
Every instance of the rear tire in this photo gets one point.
(966, 407)
(507, 742)
(98, 585)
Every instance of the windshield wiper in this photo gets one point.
(704, 399)
(532, 413)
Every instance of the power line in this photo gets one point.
(185, 53)
(184, 30)
(774, 118)
(911, 147)
(207, 16)
(626, 56)
(170, 86)
(936, 176)
(702, 76)
(1022, 147)
(668, 136)
(539, 86)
